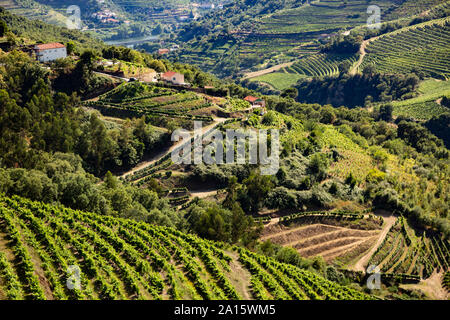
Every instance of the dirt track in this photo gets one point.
(362, 54)
(266, 71)
(389, 222)
(432, 287)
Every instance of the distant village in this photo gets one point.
(181, 14)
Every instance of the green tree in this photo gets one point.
(3, 28)
(255, 191)
(70, 47)
(290, 93)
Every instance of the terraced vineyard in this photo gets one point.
(113, 258)
(320, 65)
(285, 35)
(404, 253)
(426, 105)
(316, 65)
(331, 235)
(412, 7)
(353, 158)
(151, 101)
(424, 47)
(320, 16)
(34, 10)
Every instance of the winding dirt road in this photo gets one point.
(360, 265)
(362, 54)
(266, 71)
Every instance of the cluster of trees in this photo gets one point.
(343, 45)
(371, 87)
(439, 126)
(34, 117)
(60, 177)
(70, 77)
(222, 223)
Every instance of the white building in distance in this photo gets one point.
(50, 51)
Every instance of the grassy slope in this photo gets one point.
(424, 106)
(279, 80)
(423, 47)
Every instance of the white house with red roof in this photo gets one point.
(173, 77)
(50, 51)
(255, 101)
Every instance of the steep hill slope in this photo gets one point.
(40, 31)
(44, 247)
(260, 34)
(422, 48)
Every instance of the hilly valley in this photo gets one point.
(227, 150)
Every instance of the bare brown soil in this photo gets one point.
(431, 287)
(331, 236)
(330, 246)
(268, 70)
(362, 54)
(280, 234)
(239, 277)
(347, 256)
(326, 240)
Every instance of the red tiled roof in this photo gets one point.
(48, 46)
(169, 74)
(251, 99)
(162, 51)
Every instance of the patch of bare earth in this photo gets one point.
(239, 277)
(328, 241)
(281, 234)
(352, 254)
(331, 246)
(267, 71)
(431, 287)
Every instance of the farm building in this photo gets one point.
(173, 77)
(163, 51)
(50, 51)
(255, 101)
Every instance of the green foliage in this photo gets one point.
(382, 88)
(375, 176)
(235, 104)
(343, 45)
(254, 191)
(3, 28)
